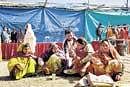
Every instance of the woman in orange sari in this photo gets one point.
(106, 61)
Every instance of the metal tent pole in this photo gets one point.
(45, 3)
(127, 5)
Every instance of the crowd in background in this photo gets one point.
(117, 32)
(118, 35)
(113, 32)
(14, 36)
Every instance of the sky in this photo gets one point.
(98, 2)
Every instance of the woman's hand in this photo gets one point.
(32, 56)
(40, 61)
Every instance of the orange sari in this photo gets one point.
(105, 63)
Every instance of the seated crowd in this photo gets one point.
(76, 56)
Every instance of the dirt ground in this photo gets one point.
(45, 81)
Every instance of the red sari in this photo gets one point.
(80, 55)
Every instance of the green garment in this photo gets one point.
(53, 64)
(24, 65)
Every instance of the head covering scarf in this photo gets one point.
(29, 38)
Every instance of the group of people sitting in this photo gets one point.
(76, 55)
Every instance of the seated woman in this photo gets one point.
(106, 61)
(23, 64)
(51, 59)
(83, 51)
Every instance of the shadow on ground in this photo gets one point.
(5, 78)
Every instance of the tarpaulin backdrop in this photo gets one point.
(106, 18)
(48, 23)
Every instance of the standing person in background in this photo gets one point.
(30, 37)
(118, 31)
(9, 33)
(126, 32)
(99, 32)
(121, 33)
(109, 32)
(126, 35)
(5, 36)
(20, 36)
(69, 45)
(113, 37)
(14, 36)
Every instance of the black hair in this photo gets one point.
(82, 41)
(68, 31)
(105, 40)
(26, 45)
(100, 23)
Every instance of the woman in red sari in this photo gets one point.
(83, 51)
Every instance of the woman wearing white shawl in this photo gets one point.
(30, 37)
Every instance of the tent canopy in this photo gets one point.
(49, 23)
(71, 4)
